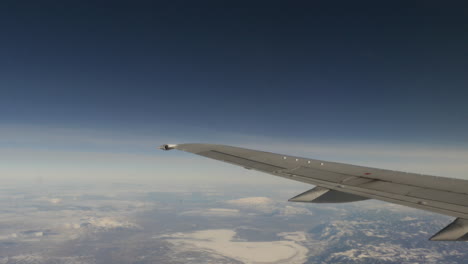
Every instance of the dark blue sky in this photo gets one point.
(395, 72)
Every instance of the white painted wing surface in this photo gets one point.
(338, 182)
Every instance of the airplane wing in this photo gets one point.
(338, 183)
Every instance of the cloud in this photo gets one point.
(107, 223)
(264, 205)
(39, 259)
(216, 212)
(257, 204)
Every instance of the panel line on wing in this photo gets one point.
(241, 161)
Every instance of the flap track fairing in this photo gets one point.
(324, 195)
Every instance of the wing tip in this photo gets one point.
(167, 147)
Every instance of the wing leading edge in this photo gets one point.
(339, 182)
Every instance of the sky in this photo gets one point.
(89, 89)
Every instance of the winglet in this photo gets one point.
(167, 146)
(456, 231)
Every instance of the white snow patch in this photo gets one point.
(292, 211)
(388, 252)
(408, 218)
(220, 241)
(55, 200)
